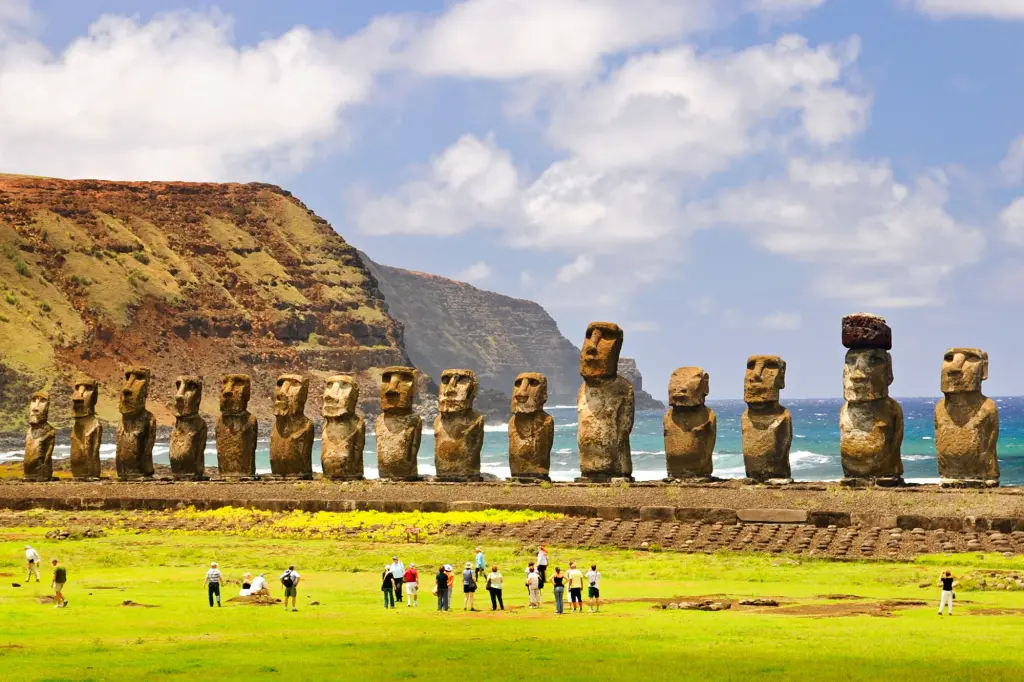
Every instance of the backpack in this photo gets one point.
(287, 579)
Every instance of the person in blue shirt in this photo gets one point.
(481, 563)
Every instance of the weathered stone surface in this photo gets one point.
(39, 441)
(772, 515)
(458, 428)
(531, 431)
(966, 422)
(291, 439)
(864, 330)
(237, 430)
(87, 432)
(188, 438)
(870, 422)
(767, 426)
(691, 427)
(399, 429)
(136, 434)
(344, 431)
(605, 407)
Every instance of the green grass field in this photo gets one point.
(349, 635)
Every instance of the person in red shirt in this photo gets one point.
(411, 580)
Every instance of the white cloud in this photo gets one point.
(574, 270)
(781, 322)
(993, 9)
(475, 273)
(1012, 221)
(1012, 166)
(776, 10)
(175, 99)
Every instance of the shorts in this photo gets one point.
(58, 587)
(593, 592)
(292, 591)
(412, 588)
(469, 588)
(576, 594)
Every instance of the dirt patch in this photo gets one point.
(11, 646)
(836, 610)
(903, 603)
(105, 587)
(996, 612)
(135, 604)
(256, 600)
(838, 596)
(46, 600)
(6, 575)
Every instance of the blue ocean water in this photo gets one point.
(814, 455)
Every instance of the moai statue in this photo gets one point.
(87, 432)
(291, 440)
(691, 427)
(458, 428)
(966, 422)
(344, 432)
(531, 431)
(767, 425)
(399, 429)
(39, 440)
(136, 433)
(605, 406)
(237, 430)
(188, 438)
(870, 422)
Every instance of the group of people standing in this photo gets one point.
(252, 587)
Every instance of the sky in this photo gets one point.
(721, 177)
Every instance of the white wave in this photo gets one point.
(925, 481)
(648, 452)
(803, 459)
(564, 451)
(559, 407)
(12, 456)
(730, 472)
(573, 425)
(926, 437)
(917, 458)
(496, 427)
(797, 435)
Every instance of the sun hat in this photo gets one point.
(469, 564)
(213, 564)
(447, 567)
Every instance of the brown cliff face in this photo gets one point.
(184, 278)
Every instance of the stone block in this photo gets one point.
(824, 519)
(912, 521)
(872, 519)
(721, 516)
(772, 515)
(657, 513)
(467, 506)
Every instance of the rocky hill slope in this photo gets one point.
(454, 324)
(184, 278)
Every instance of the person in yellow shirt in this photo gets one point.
(575, 579)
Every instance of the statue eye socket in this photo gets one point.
(949, 357)
(751, 364)
(446, 379)
(534, 382)
(519, 382)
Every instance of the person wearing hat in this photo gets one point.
(388, 587)
(481, 563)
(212, 583)
(398, 573)
(449, 574)
(412, 586)
(468, 588)
(33, 559)
(246, 585)
(946, 580)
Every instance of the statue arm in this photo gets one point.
(629, 405)
(359, 438)
(476, 434)
(897, 438)
(150, 436)
(713, 426)
(51, 438)
(546, 437)
(417, 435)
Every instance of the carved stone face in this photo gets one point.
(867, 374)
(688, 387)
(340, 396)
(397, 388)
(530, 393)
(458, 389)
(963, 370)
(599, 357)
(765, 377)
(39, 409)
(135, 390)
(83, 400)
(290, 395)
(234, 394)
(188, 393)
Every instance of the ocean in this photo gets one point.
(814, 455)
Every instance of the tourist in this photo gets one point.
(290, 580)
(246, 585)
(481, 563)
(532, 582)
(388, 587)
(412, 586)
(594, 590)
(441, 589)
(60, 576)
(542, 566)
(530, 568)
(468, 588)
(946, 580)
(449, 575)
(259, 586)
(559, 589)
(33, 559)
(398, 573)
(575, 578)
(494, 581)
(212, 583)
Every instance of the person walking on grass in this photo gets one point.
(532, 582)
(575, 580)
(559, 589)
(542, 566)
(441, 589)
(398, 573)
(594, 590)
(411, 580)
(494, 582)
(290, 580)
(60, 576)
(212, 584)
(388, 587)
(33, 559)
(481, 564)
(468, 588)
(946, 580)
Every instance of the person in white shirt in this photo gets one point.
(212, 583)
(33, 559)
(594, 591)
(542, 566)
(398, 573)
(290, 580)
(532, 582)
(259, 586)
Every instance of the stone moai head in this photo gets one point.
(135, 390)
(867, 374)
(599, 357)
(83, 400)
(458, 390)
(341, 394)
(963, 370)
(234, 393)
(290, 395)
(530, 392)
(765, 378)
(688, 387)
(397, 389)
(188, 393)
(39, 408)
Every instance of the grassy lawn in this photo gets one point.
(349, 635)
